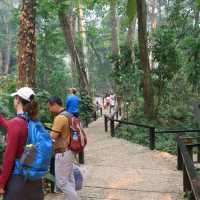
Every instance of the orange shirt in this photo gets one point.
(60, 132)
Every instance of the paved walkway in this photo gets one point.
(116, 169)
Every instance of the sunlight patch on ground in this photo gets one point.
(164, 155)
(124, 183)
(166, 197)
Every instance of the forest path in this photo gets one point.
(116, 169)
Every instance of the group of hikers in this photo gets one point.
(110, 101)
(15, 185)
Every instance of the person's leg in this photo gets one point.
(64, 175)
(15, 189)
(52, 171)
(33, 190)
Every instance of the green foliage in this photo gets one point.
(133, 134)
(131, 9)
(191, 46)
(53, 71)
(165, 53)
(198, 3)
(86, 107)
(42, 99)
(126, 76)
(49, 177)
(164, 141)
(8, 86)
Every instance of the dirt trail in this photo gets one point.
(116, 169)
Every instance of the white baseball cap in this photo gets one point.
(25, 93)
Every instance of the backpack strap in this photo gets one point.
(66, 114)
(49, 129)
(24, 116)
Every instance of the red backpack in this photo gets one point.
(77, 137)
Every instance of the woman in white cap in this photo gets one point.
(15, 187)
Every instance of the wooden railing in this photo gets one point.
(93, 117)
(112, 128)
(191, 180)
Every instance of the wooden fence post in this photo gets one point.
(120, 111)
(190, 151)
(101, 111)
(81, 157)
(86, 122)
(112, 127)
(186, 182)
(179, 159)
(152, 138)
(117, 114)
(106, 123)
(198, 150)
(95, 115)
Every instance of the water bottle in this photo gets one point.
(75, 136)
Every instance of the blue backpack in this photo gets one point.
(35, 160)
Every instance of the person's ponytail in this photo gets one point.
(30, 107)
(32, 110)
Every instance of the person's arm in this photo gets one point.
(57, 127)
(3, 121)
(9, 157)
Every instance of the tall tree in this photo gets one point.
(131, 37)
(131, 12)
(114, 24)
(6, 8)
(82, 34)
(6, 46)
(27, 45)
(152, 14)
(66, 25)
(144, 57)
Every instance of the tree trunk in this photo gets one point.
(196, 17)
(26, 45)
(7, 48)
(69, 38)
(153, 15)
(82, 31)
(114, 24)
(131, 35)
(1, 61)
(159, 11)
(6, 44)
(153, 18)
(144, 58)
(73, 65)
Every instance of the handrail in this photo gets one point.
(94, 114)
(191, 181)
(131, 123)
(178, 131)
(193, 145)
(152, 137)
(189, 137)
(152, 130)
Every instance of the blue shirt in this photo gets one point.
(72, 103)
